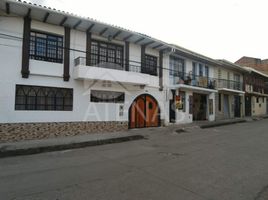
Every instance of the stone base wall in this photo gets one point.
(11, 132)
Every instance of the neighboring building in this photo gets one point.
(230, 97)
(190, 87)
(255, 63)
(256, 96)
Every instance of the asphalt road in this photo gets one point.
(229, 162)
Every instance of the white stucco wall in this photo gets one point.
(50, 74)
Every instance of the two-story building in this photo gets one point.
(190, 86)
(65, 74)
(256, 93)
(230, 98)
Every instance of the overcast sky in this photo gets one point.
(226, 29)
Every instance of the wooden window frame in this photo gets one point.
(48, 56)
(115, 48)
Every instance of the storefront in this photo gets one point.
(188, 104)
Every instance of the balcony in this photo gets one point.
(229, 84)
(256, 89)
(192, 80)
(129, 72)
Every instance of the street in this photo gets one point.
(228, 162)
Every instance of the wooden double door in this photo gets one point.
(144, 112)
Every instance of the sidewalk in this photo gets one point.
(62, 143)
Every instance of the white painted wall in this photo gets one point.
(50, 74)
(181, 116)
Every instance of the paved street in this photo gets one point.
(228, 162)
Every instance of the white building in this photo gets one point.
(63, 68)
(231, 96)
(190, 85)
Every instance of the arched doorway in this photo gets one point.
(144, 112)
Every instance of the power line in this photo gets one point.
(4, 36)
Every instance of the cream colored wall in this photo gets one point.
(258, 108)
(224, 73)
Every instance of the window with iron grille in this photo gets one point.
(194, 72)
(107, 96)
(46, 47)
(150, 65)
(206, 71)
(43, 98)
(102, 52)
(176, 66)
(200, 70)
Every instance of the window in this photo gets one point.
(219, 105)
(102, 52)
(43, 98)
(206, 71)
(150, 65)
(176, 66)
(194, 72)
(46, 47)
(219, 73)
(257, 99)
(200, 70)
(107, 96)
(237, 81)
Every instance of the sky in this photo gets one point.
(220, 29)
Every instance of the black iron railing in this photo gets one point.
(229, 84)
(177, 77)
(130, 65)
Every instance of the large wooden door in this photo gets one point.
(144, 112)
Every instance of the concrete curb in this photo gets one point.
(75, 145)
(216, 124)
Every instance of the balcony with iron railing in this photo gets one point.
(229, 84)
(190, 79)
(177, 77)
(123, 71)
